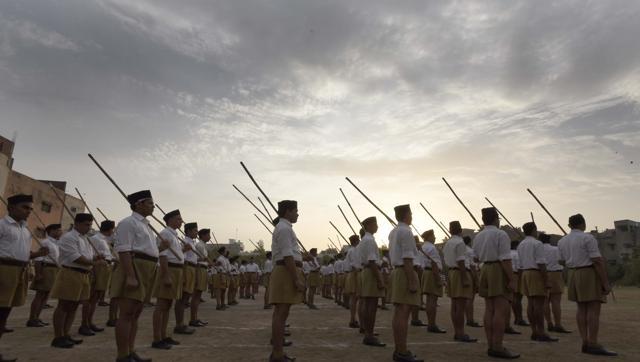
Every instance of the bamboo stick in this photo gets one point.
(462, 203)
(547, 211)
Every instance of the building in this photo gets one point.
(47, 208)
(617, 244)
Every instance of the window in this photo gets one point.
(46, 206)
(623, 228)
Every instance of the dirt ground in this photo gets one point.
(242, 333)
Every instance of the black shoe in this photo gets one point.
(85, 331)
(161, 344)
(544, 338)
(560, 330)
(522, 323)
(504, 354)
(171, 341)
(43, 322)
(405, 357)
(2, 359)
(34, 323)
(184, 330)
(435, 329)
(47, 306)
(418, 323)
(374, 342)
(111, 322)
(465, 338)
(103, 304)
(125, 359)
(384, 308)
(134, 357)
(598, 351)
(474, 324)
(284, 358)
(7, 330)
(62, 342)
(510, 330)
(267, 307)
(354, 324)
(196, 323)
(95, 328)
(287, 333)
(284, 344)
(312, 306)
(73, 340)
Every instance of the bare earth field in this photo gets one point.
(243, 332)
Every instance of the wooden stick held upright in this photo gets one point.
(504, 217)
(371, 202)
(547, 211)
(444, 230)
(88, 209)
(73, 216)
(462, 203)
(263, 224)
(342, 236)
(265, 208)
(347, 220)
(269, 220)
(532, 219)
(352, 210)
(102, 213)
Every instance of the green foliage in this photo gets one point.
(632, 270)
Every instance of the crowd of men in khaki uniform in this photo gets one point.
(75, 269)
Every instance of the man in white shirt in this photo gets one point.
(168, 283)
(131, 285)
(234, 279)
(497, 282)
(268, 268)
(189, 278)
(431, 280)
(516, 304)
(534, 280)
(588, 284)
(386, 275)
(287, 283)
(73, 282)
(46, 268)
(200, 286)
(471, 264)
(418, 264)
(221, 278)
(244, 284)
(339, 280)
(253, 272)
(101, 277)
(371, 281)
(351, 269)
(15, 253)
(460, 287)
(552, 304)
(406, 288)
(313, 278)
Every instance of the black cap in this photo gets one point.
(107, 225)
(576, 220)
(202, 232)
(19, 198)
(455, 227)
(286, 205)
(529, 228)
(489, 215)
(221, 250)
(427, 234)
(369, 220)
(170, 214)
(312, 250)
(139, 196)
(52, 227)
(401, 211)
(354, 238)
(190, 226)
(82, 217)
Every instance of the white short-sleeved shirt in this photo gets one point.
(252, 268)
(268, 266)
(337, 266)
(101, 243)
(492, 244)
(402, 245)
(15, 239)
(54, 252)
(470, 258)
(233, 269)
(171, 235)
(353, 259)
(578, 248)
(133, 234)
(190, 255)
(369, 250)
(430, 249)
(531, 253)
(515, 261)
(420, 259)
(201, 246)
(455, 250)
(330, 269)
(243, 269)
(284, 242)
(552, 254)
(223, 264)
(72, 246)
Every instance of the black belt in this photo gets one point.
(49, 265)
(202, 266)
(554, 271)
(398, 266)
(281, 262)
(176, 265)
(145, 257)
(13, 262)
(456, 268)
(190, 264)
(79, 270)
(427, 268)
(536, 269)
(582, 267)
(491, 262)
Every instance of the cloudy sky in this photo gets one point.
(496, 96)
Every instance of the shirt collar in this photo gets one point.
(490, 227)
(285, 221)
(13, 221)
(140, 217)
(576, 231)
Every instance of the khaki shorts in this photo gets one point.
(400, 288)
(101, 277)
(49, 273)
(584, 286)
(188, 279)
(556, 280)
(314, 279)
(350, 281)
(173, 291)
(431, 283)
(281, 287)
(201, 279)
(220, 281)
(233, 281)
(341, 281)
(71, 285)
(327, 280)
(145, 273)
(252, 278)
(13, 285)
(456, 288)
(369, 285)
(532, 284)
(493, 282)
